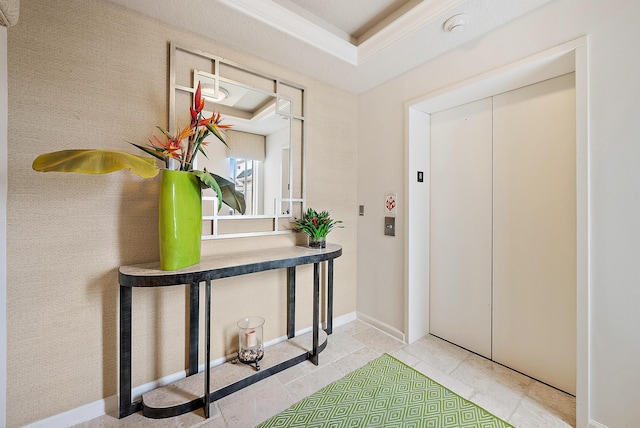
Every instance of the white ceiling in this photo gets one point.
(351, 44)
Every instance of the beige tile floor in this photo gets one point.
(519, 400)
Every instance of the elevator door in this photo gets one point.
(460, 271)
(503, 229)
(534, 262)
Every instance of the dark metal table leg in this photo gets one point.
(316, 311)
(125, 352)
(207, 369)
(329, 329)
(291, 302)
(194, 325)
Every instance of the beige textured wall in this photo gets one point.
(87, 74)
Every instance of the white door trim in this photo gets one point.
(570, 56)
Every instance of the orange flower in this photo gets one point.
(190, 140)
(198, 101)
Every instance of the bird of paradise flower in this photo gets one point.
(180, 149)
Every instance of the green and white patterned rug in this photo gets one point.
(385, 393)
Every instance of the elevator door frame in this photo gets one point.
(562, 59)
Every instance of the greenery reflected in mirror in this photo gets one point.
(264, 157)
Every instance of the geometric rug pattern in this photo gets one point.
(385, 393)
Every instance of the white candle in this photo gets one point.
(251, 339)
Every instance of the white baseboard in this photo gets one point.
(344, 319)
(594, 424)
(110, 404)
(79, 414)
(391, 331)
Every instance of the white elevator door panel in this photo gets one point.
(460, 262)
(534, 273)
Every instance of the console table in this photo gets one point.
(212, 268)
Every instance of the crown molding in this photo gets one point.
(283, 19)
(411, 21)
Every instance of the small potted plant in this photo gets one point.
(317, 225)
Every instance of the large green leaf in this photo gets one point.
(207, 181)
(95, 162)
(231, 196)
(225, 189)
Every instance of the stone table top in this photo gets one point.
(226, 265)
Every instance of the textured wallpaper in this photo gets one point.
(88, 74)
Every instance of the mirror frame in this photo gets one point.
(280, 224)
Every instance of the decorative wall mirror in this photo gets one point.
(265, 157)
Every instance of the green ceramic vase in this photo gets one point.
(180, 220)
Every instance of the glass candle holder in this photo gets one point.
(250, 345)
